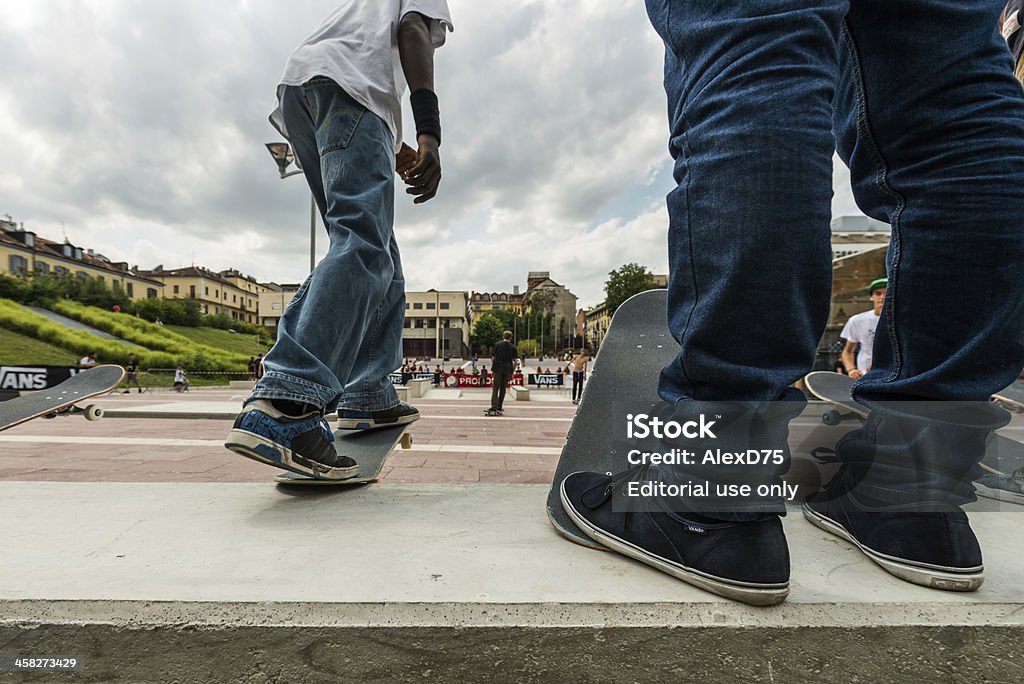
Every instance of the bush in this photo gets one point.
(170, 311)
(164, 349)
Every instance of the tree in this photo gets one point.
(486, 332)
(625, 282)
(543, 302)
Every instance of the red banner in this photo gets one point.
(462, 380)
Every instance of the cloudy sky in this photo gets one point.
(136, 128)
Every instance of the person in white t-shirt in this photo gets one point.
(339, 105)
(859, 332)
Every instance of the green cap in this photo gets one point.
(877, 284)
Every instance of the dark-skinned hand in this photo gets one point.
(425, 175)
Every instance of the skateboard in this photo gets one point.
(493, 412)
(1003, 463)
(64, 399)
(637, 346)
(368, 448)
(1011, 398)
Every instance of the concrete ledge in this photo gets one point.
(241, 384)
(201, 582)
(418, 387)
(403, 392)
(519, 393)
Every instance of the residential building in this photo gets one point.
(23, 252)
(486, 302)
(273, 301)
(228, 293)
(437, 324)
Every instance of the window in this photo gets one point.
(131, 290)
(42, 267)
(445, 306)
(60, 270)
(431, 322)
(82, 275)
(192, 291)
(234, 299)
(206, 291)
(150, 293)
(407, 324)
(407, 305)
(19, 264)
(175, 289)
(417, 305)
(431, 306)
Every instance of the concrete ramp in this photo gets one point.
(215, 582)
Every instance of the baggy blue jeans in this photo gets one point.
(342, 332)
(919, 99)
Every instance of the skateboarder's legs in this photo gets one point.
(347, 155)
(750, 91)
(498, 391)
(943, 162)
(337, 316)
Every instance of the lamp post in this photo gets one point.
(283, 155)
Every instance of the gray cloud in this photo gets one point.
(140, 125)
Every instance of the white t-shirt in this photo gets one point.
(86, 361)
(179, 375)
(357, 48)
(861, 329)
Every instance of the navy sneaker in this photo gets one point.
(303, 444)
(747, 562)
(934, 548)
(400, 414)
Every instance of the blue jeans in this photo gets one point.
(919, 98)
(342, 332)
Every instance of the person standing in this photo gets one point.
(180, 379)
(859, 333)
(760, 95)
(578, 367)
(339, 105)
(503, 363)
(131, 377)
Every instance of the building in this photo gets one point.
(597, 322)
(437, 324)
(229, 293)
(855, 234)
(273, 301)
(23, 252)
(544, 294)
(482, 303)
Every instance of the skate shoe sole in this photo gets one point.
(999, 494)
(369, 424)
(924, 574)
(261, 449)
(755, 594)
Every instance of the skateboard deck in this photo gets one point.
(1003, 463)
(638, 345)
(63, 399)
(369, 448)
(1011, 397)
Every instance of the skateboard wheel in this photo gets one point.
(407, 441)
(93, 412)
(831, 418)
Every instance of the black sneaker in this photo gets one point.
(747, 562)
(303, 444)
(400, 414)
(1010, 488)
(932, 548)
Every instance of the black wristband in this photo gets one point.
(425, 113)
